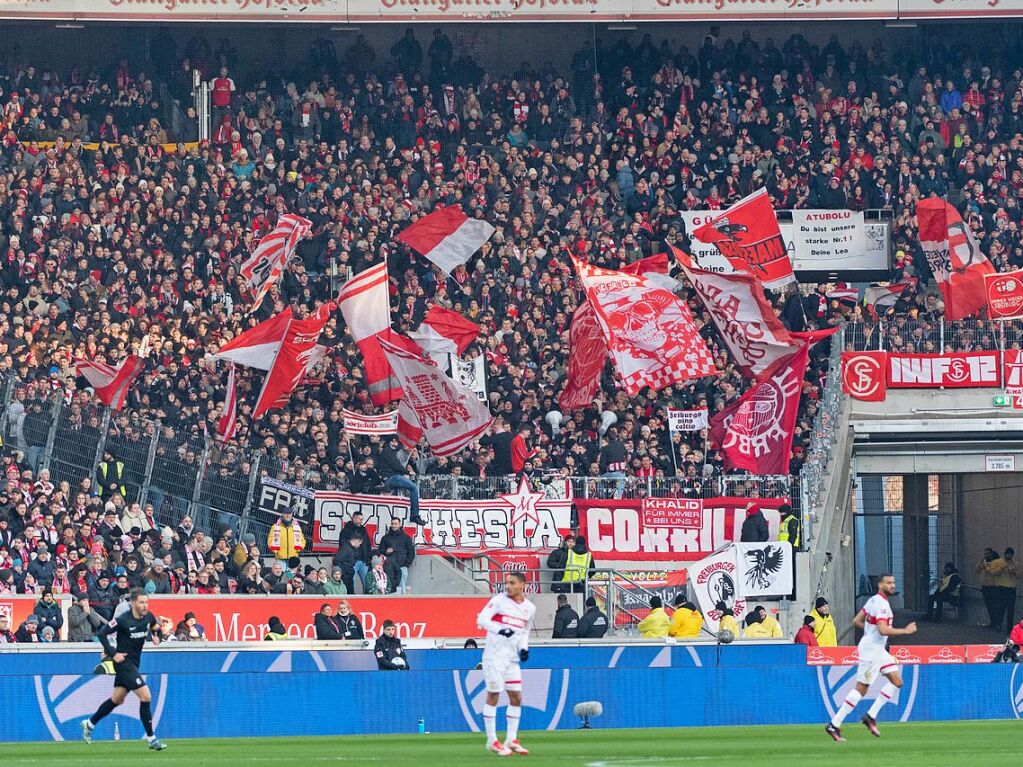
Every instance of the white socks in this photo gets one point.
(851, 700)
(490, 720)
(513, 714)
(887, 693)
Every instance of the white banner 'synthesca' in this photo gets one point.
(520, 521)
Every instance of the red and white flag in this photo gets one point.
(359, 423)
(270, 258)
(747, 234)
(227, 424)
(587, 349)
(257, 347)
(297, 354)
(434, 406)
(743, 316)
(954, 256)
(882, 297)
(755, 432)
(649, 331)
(364, 301)
(444, 332)
(447, 236)
(111, 382)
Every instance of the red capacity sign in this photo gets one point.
(244, 618)
(686, 513)
(1004, 294)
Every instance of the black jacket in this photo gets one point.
(592, 624)
(556, 561)
(754, 528)
(350, 530)
(501, 444)
(351, 627)
(346, 557)
(403, 548)
(387, 649)
(391, 463)
(327, 628)
(566, 623)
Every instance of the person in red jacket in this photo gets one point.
(1016, 635)
(520, 453)
(806, 634)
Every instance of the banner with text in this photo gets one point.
(243, 618)
(273, 496)
(516, 522)
(617, 529)
(832, 239)
(953, 370)
(683, 421)
(359, 423)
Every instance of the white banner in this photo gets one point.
(357, 423)
(682, 421)
(765, 569)
(873, 253)
(715, 580)
(835, 237)
(472, 374)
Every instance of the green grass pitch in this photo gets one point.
(931, 744)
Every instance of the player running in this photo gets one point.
(508, 619)
(132, 628)
(875, 620)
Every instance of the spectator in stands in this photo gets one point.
(354, 529)
(769, 622)
(110, 476)
(593, 622)
(988, 568)
(6, 636)
(348, 558)
(656, 624)
(285, 539)
(579, 566)
(82, 621)
(48, 611)
(42, 568)
(335, 586)
(275, 630)
(946, 593)
(556, 562)
(395, 465)
(102, 597)
(790, 527)
(399, 549)
(28, 631)
(389, 653)
(327, 628)
(566, 620)
(824, 623)
(1015, 636)
(1006, 581)
(754, 528)
(351, 626)
(382, 577)
(807, 634)
(686, 621)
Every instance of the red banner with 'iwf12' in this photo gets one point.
(618, 529)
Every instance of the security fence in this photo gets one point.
(909, 336)
(185, 472)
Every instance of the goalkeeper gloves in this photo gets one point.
(523, 656)
(506, 633)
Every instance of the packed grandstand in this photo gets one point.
(121, 236)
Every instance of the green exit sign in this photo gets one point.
(1001, 400)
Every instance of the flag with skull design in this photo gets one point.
(650, 332)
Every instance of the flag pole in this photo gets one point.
(350, 453)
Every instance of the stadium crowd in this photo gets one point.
(110, 235)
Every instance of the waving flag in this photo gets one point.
(755, 433)
(111, 383)
(743, 316)
(257, 347)
(447, 236)
(650, 333)
(444, 332)
(297, 354)
(227, 424)
(433, 405)
(883, 297)
(270, 258)
(747, 234)
(954, 257)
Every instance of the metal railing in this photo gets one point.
(904, 335)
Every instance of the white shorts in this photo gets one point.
(875, 663)
(502, 674)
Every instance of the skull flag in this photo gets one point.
(747, 234)
(432, 405)
(755, 432)
(954, 256)
(650, 333)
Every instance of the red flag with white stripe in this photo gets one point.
(434, 406)
(271, 256)
(295, 357)
(954, 256)
(227, 424)
(444, 332)
(111, 382)
(257, 347)
(447, 236)
(650, 332)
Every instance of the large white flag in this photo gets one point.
(765, 569)
(447, 236)
(714, 580)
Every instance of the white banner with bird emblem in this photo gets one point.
(764, 569)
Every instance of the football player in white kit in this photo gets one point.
(508, 619)
(875, 620)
